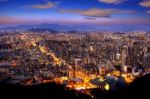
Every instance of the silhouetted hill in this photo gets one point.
(51, 91)
(140, 88)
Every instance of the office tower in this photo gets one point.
(123, 57)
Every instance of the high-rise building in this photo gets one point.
(123, 57)
(78, 63)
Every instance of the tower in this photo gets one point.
(123, 57)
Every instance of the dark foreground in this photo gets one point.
(139, 88)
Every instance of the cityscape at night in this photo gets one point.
(82, 49)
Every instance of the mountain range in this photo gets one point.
(55, 27)
(88, 27)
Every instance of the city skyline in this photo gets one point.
(99, 13)
(84, 49)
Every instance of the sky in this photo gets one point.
(76, 12)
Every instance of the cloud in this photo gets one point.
(145, 3)
(96, 12)
(112, 1)
(47, 5)
(89, 18)
(4, 20)
(148, 11)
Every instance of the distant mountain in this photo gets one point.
(46, 30)
(73, 31)
(66, 28)
(45, 26)
(52, 26)
(25, 27)
(80, 27)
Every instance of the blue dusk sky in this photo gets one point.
(76, 12)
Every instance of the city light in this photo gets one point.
(107, 87)
(88, 49)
